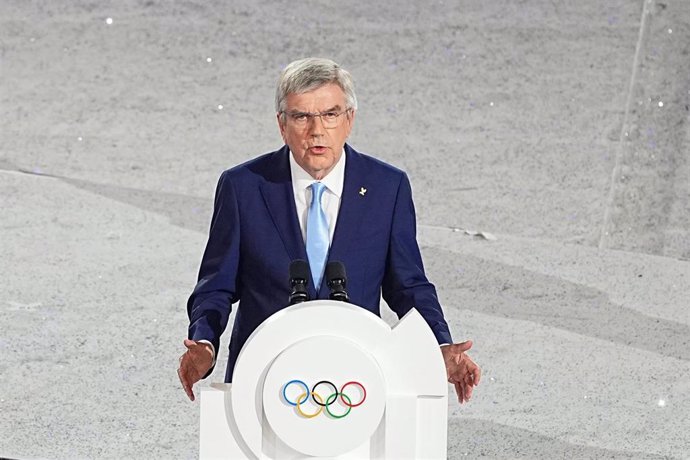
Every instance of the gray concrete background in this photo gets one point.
(560, 127)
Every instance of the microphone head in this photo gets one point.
(335, 271)
(299, 269)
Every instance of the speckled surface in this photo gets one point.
(538, 121)
(649, 207)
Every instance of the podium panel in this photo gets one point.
(327, 379)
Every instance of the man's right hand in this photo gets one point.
(194, 364)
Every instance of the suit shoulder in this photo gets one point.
(249, 165)
(258, 169)
(380, 168)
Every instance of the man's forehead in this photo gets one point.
(305, 108)
(329, 96)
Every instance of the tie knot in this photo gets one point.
(317, 189)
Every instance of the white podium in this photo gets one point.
(327, 379)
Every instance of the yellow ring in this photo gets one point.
(316, 396)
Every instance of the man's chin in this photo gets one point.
(318, 169)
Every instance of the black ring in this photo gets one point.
(335, 390)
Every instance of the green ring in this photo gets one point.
(329, 401)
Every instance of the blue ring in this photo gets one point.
(306, 389)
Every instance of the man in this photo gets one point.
(317, 199)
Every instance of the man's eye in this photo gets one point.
(300, 116)
(330, 115)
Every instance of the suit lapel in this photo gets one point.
(279, 198)
(353, 204)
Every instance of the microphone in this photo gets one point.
(337, 281)
(299, 277)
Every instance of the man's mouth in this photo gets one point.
(318, 149)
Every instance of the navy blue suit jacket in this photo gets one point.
(255, 234)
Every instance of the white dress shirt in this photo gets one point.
(330, 201)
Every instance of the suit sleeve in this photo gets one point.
(209, 306)
(405, 286)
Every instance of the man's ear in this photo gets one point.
(351, 120)
(281, 124)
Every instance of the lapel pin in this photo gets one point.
(362, 191)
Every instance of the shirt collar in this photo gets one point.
(333, 181)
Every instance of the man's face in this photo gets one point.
(315, 148)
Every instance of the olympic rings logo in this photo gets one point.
(318, 399)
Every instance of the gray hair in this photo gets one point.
(309, 74)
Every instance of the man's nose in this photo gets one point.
(316, 126)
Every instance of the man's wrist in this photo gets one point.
(211, 349)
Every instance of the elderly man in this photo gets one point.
(317, 199)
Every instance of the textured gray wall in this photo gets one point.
(560, 127)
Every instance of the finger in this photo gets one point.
(185, 384)
(461, 347)
(183, 379)
(189, 343)
(476, 375)
(188, 376)
(466, 345)
(473, 371)
(459, 391)
(467, 390)
(468, 380)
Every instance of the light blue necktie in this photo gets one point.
(317, 234)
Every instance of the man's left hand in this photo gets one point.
(461, 370)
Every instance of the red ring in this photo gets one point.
(364, 390)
